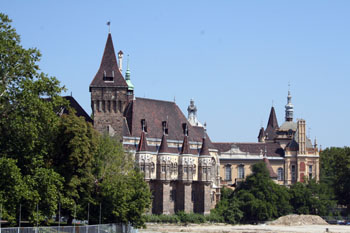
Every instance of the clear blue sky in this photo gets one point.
(233, 57)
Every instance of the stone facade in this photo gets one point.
(183, 168)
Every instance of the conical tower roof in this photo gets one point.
(269, 168)
(261, 136)
(272, 125)
(204, 149)
(164, 145)
(142, 143)
(185, 146)
(108, 75)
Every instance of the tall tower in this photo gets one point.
(289, 108)
(108, 93)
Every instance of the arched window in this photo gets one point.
(280, 175)
(228, 172)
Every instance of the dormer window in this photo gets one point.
(108, 78)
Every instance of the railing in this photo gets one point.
(105, 228)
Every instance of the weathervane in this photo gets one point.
(109, 26)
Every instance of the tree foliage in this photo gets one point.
(335, 172)
(119, 186)
(47, 158)
(311, 197)
(262, 199)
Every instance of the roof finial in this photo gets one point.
(289, 106)
(109, 26)
(272, 103)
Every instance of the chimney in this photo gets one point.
(302, 136)
(120, 60)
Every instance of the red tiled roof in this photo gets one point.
(157, 111)
(109, 65)
(272, 149)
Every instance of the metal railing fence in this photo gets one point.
(103, 228)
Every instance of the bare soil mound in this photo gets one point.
(299, 220)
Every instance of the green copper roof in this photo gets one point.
(127, 78)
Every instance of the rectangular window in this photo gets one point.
(228, 173)
(185, 169)
(241, 172)
(204, 170)
(163, 168)
(280, 173)
(310, 172)
(293, 173)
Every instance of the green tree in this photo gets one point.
(260, 197)
(12, 189)
(27, 120)
(311, 197)
(72, 158)
(227, 210)
(121, 188)
(335, 172)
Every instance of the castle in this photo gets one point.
(183, 167)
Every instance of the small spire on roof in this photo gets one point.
(289, 106)
(204, 149)
(127, 76)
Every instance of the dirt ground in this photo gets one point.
(219, 228)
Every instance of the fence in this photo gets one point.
(104, 228)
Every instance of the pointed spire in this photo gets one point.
(127, 77)
(272, 119)
(108, 75)
(269, 168)
(272, 125)
(261, 136)
(185, 146)
(164, 145)
(204, 149)
(289, 106)
(142, 143)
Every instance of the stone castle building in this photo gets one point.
(183, 167)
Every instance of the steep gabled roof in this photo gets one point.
(79, 110)
(157, 111)
(272, 125)
(109, 66)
